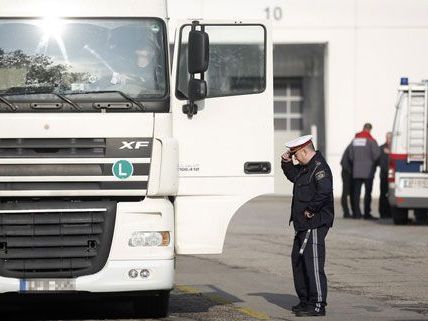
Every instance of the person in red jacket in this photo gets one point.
(363, 154)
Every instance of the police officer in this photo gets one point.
(312, 213)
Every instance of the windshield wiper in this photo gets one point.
(75, 106)
(68, 101)
(8, 103)
(128, 98)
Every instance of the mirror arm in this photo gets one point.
(194, 24)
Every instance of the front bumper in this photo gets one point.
(409, 190)
(408, 202)
(112, 278)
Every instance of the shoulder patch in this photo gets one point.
(320, 175)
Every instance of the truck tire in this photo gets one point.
(154, 306)
(399, 215)
(421, 217)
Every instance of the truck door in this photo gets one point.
(222, 109)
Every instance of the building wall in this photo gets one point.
(370, 44)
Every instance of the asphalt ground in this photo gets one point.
(376, 271)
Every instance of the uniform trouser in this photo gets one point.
(384, 207)
(356, 191)
(310, 280)
(346, 192)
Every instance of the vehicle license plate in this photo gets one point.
(419, 183)
(47, 285)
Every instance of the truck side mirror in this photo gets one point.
(197, 89)
(198, 54)
(197, 63)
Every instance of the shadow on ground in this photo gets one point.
(285, 301)
(63, 307)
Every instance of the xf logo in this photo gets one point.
(134, 144)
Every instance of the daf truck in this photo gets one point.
(115, 155)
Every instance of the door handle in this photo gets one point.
(257, 167)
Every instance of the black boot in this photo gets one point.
(299, 307)
(369, 217)
(311, 311)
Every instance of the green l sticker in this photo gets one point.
(122, 169)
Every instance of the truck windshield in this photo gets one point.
(71, 57)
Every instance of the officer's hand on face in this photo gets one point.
(308, 215)
(286, 157)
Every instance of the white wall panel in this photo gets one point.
(392, 13)
(383, 56)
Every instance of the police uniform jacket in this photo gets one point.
(312, 191)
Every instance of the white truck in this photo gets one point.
(408, 168)
(110, 162)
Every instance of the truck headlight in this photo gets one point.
(149, 239)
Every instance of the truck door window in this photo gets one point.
(237, 63)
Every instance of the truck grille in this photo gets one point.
(56, 240)
(52, 147)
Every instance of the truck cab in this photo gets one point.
(111, 161)
(408, 175)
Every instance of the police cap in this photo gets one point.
(298, 143)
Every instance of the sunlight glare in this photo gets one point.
(52, 26)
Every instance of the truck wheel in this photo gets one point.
(154, 306)
(399, 215)
(421, 216)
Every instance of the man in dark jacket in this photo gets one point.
(346, 164)
(363, 154)
(312, 214)
(385, 149)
